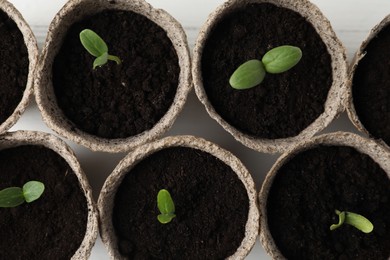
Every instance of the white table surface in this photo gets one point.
(351, 19)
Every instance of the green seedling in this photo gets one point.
(15, 196)
(166, 206)
(95, 45)
(277, 60)
(353, 219)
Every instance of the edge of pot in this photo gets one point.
(32, 49)
(350, 107)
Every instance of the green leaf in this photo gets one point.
(281, 59)
(164, 202)
(166, 206)
(93, 43)
(359, 222)
(101, 60)
(248, 75)
(11, 197)
(165, 218)
(32, 190)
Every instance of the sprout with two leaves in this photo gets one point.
(95, 45)
(166, 206)
(277, 60)
(15, 196)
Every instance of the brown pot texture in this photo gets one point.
(32, 52)
(53, 115)
(23, 138)
(371, 95)
(334, 99)
(367, 147)
(109, 190)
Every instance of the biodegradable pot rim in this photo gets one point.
(18, 138)
(360, 53)
(376, 151)
(107, 194)
(334, 104)
(45, 97)
(32, 50)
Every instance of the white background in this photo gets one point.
(351, 19)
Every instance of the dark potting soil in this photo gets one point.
(283, 104)
(13, 66)
(117, 101)
(371, 85)
(211, 207)
(51, 227)
(310, 187)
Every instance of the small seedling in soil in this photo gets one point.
(353, 219)
(15, 196)
(276, 60)
(166, 206)
(95, 45)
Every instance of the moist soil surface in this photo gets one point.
(211, 207)
(310, 187)
(51, 227)
(13, 66)
(116, 101)
(283, 104)
(371, 85)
